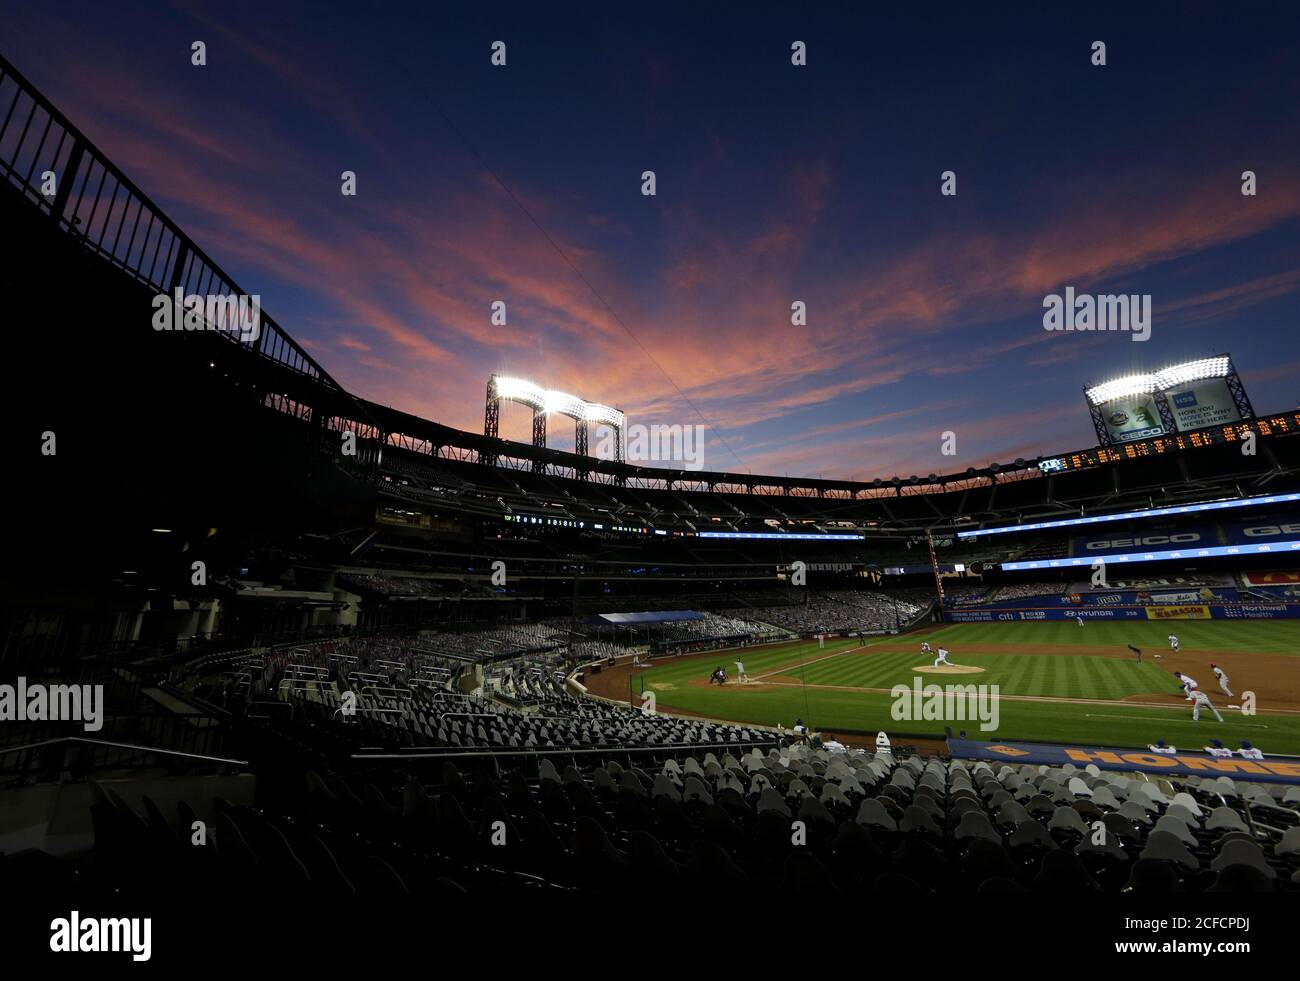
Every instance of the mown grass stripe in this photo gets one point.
(1018, 678)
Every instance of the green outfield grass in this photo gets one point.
(1019, 668)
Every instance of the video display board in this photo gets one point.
(1130, 418)
(1198, 404)
(1181, 398)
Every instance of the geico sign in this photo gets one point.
(1272, 531)
(1185, 538)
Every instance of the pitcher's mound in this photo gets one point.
(949, 669)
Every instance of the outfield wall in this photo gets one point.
(1078, 600)
(1188, 611)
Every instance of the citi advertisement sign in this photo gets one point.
(1004, 615)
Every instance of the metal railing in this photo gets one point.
(56, 167)
(85, 756)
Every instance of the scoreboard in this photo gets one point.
(1194, 396)
(1279, 425)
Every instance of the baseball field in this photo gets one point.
(1058, 682)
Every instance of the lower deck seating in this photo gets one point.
(788, 821)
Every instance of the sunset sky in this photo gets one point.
(775, 183)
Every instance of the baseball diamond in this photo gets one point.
(1056, 684)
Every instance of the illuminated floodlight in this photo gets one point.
(1190, 371)
(1119, 388)
(565, 404)
(604, 415)
(1162, 380)
(1233, 502)
(520, 390)
(562, 403)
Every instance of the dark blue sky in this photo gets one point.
(775, 184)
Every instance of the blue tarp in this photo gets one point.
(660, 616)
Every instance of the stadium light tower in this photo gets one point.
(491, 422)
(543, 402)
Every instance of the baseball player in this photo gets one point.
(740, 672)
(821, 642)
(1223, 679)
(1173, 643)
(1187, 681)
(942, 658)
(1079, 618)
(1198, 698)
(925, 647)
